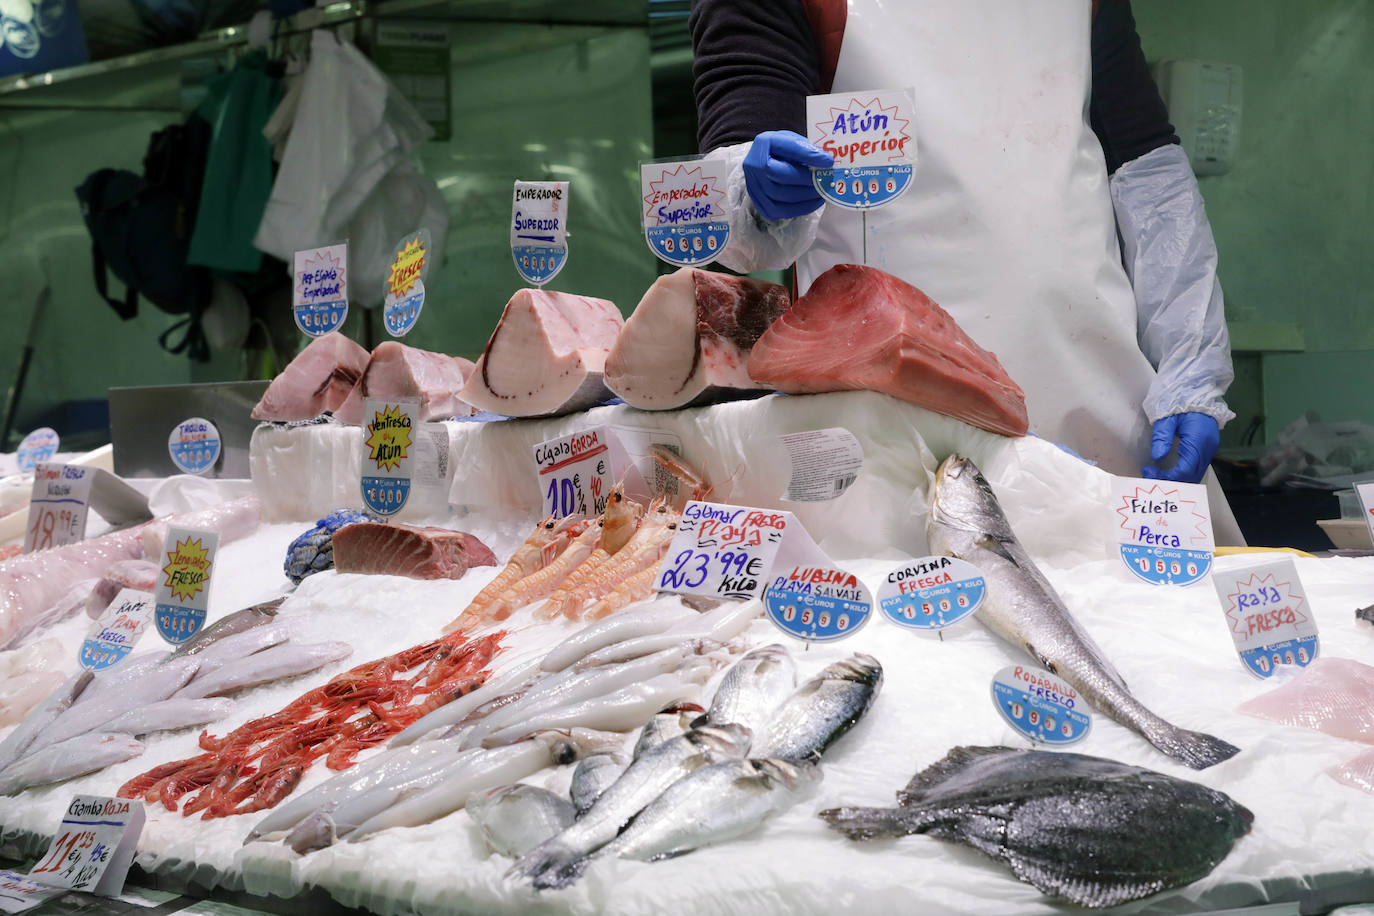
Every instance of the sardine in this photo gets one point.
(285, 660)
(231, 625)
(1022, 607)
(167, 715)
(753, 689)
(515, 819)
(561, 860)
(821, 710)
(618, 711)
(486, 769)
(41, 716)
(1090, 830)
(153, 686)
(718, 803)
(593, 775)
(653, 618)
(666, 724)
(450, 714)
(65, 759)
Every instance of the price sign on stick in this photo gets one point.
(194, 445)
(1163, 530)
(683, 210)
(388, 454)
(39, 445)
(1268, 615)
(575, 473)
(539, 229)
(405, 284)
(817, 603)
(183, 590)
(93, 847)
(1041, 707)
(58, 506)
(722, 551)
(319, 300)
(117, 630)
(872, 136)
(931, 593)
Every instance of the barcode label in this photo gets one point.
(842, 483)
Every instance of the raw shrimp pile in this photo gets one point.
(260, 762)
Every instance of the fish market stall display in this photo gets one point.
(521, 739)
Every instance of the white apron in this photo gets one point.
(1008, 223)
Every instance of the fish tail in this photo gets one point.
(868, 823)
(1194, 749)
(551, 866)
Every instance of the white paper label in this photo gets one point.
(1163, 529)
(39, 445)
(388, 453)
(117, 630)
(58, 506)
(319, 299)
(824, 463)
(684, 215)
(183, 590)
(575, 473)
(1268, 615)
(872, 136)
(94, 845)
(932, 593)
(722, 551)
(539, 229)
(1365, 491)
(194, 445)
(19, 893)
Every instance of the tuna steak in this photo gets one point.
(858, 328)
(546, 356)
(318, 379)
(689, 338)
(1333, 695)
(397, 371)
(1089, 830)
(405, 550)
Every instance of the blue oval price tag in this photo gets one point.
(194, 445)
(400, 315)
(1040, 707)
(818, 604)
(37, 447)
(931, 593)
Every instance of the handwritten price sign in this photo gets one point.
(57, 506)
(319, 299)
(1268, 615)
(872, 137)
(1164, 530)
(118, 629)
(94, 845)
(539, 229)
(20, 892)
(722, 551)
(575, 473)
(683, 208)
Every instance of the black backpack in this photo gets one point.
(141, 230)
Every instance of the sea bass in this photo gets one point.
(1022, 607)
(593, 775)
(1089, 830)
(821, 710)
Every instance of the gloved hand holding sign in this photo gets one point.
(777, 174)
(1198, 438)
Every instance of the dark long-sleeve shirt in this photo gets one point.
(757, 60)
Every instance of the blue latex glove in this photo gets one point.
(1198, 439)
(777, 174)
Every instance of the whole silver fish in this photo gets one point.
(653, 618)
(285, 660)
(233, 624)
(43, 715)
(65, 759)
(714, 804)
(94, 711)
(754, 688)
(821, 710)
(1022, 607)
(593, 775)
(666, 724)
(167, 715)
(515, 819)
(561, 860)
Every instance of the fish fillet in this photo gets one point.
(1357, 772)
(1333, 695)
(859, 328)
(405, 550)
(318, 379)
(689, 338)
(397, 371)
(546, 356)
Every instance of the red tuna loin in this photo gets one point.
(405, 550)
(396, 371)
(318, 379)
(859, 328)
(689, 338)
(546, 356)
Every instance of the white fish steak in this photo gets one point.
(754, 688)
(1022, 607)
(822, 709)
(65, 759)
(515, 819)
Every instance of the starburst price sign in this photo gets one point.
(872, 137)
(684, 214)
(405, 284)
(183, 589)
(388, 454)
(320, 297)
(1163, 530)
(1268, 615)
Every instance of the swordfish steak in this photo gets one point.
(547, 355)
(405, 550)
(689, 338)
(859, 328)
(318, 379)
(397, 371)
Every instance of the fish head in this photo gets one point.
(859, 668)
(963, 498)
(567, 745)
